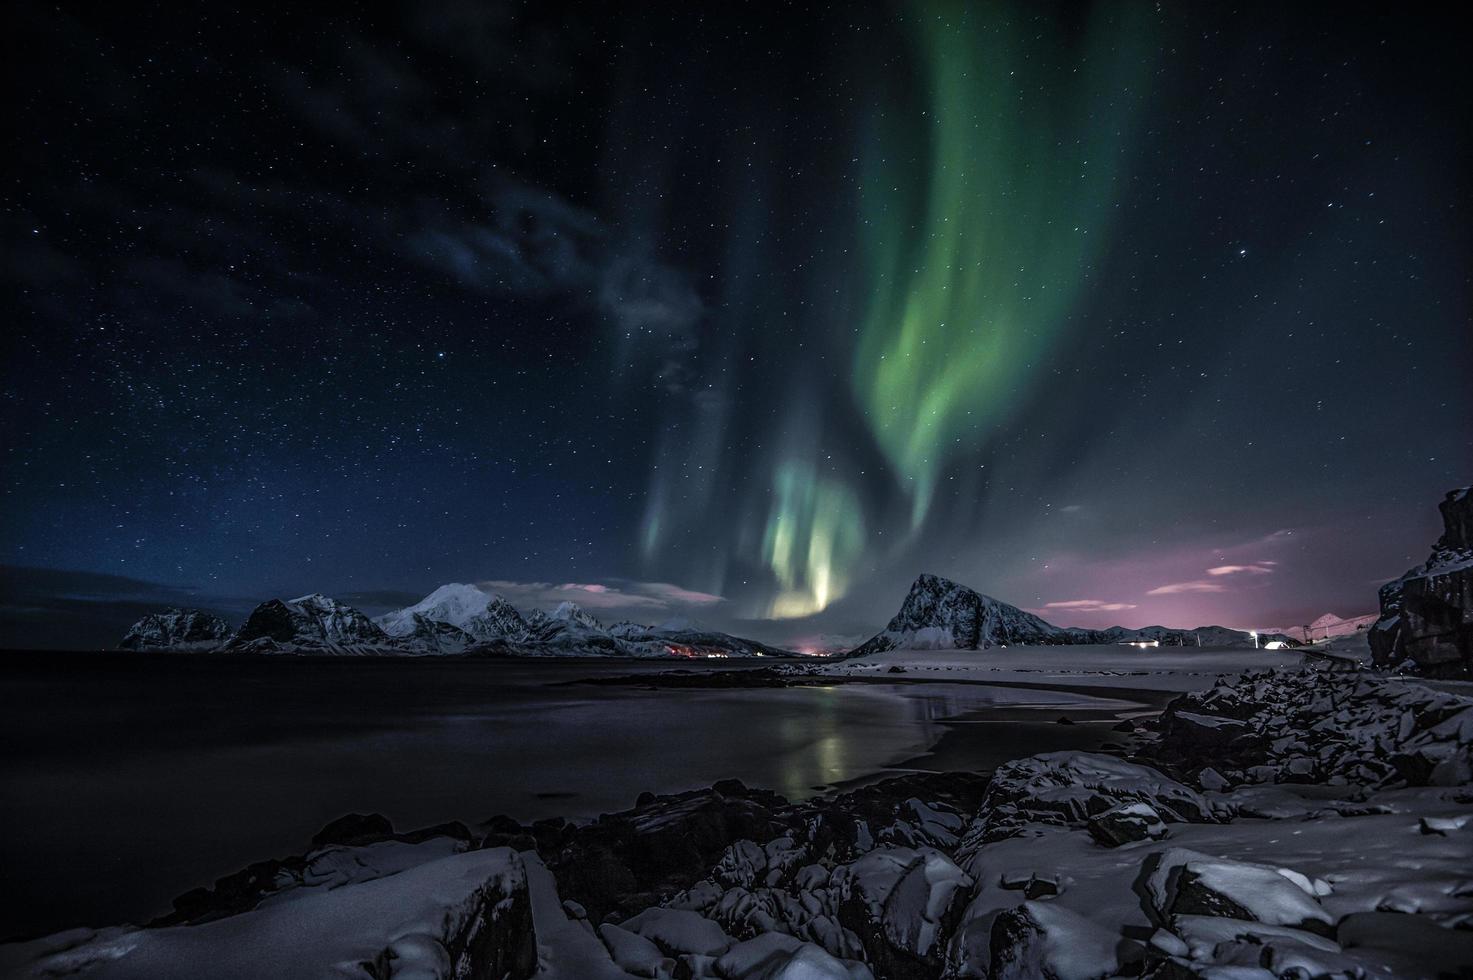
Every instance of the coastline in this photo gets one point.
(1336, 848)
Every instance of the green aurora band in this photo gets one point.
(973, 280)
(987, 177)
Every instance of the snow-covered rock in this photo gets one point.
(1342, 728)
(1068, 788)
(1049, 942)
(1427, 614)
(1185, 882)
(679, 931)
(464, 915)
(1127, 823)
(633, 953)
(775, 956)
(899, 901)
(177, 629)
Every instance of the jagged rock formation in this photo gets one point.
(178, 630)
(1427, 614)
(499, 621)
(567, 622)
(940, 614)
(433, 636)
(311, 624)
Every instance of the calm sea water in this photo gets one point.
(128, 779)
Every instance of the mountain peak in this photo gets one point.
(571, 612)
(455, 603)
(941, 614)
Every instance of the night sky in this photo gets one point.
(744, 314)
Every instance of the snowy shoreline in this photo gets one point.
(1290, 820)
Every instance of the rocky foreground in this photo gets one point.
(1284, 824)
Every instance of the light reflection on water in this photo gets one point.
(168, 775)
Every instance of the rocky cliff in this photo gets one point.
(1426, 619)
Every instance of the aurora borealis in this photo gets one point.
(742, 315)
(976, 253)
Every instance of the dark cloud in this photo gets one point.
(43, 608)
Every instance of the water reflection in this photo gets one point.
(170, 752)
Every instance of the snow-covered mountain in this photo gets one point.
(454, 619)
(456, 604)
(940, 614)
(311, 624)
(177, 629)
(480, 614)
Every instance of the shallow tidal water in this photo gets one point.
(129, 779)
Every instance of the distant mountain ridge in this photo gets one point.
(455, 619)
(940, 614)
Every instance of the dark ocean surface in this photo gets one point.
(127, 779)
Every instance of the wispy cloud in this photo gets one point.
(1196, 585)
(623, 595)
(1256, 568)
(1089, 605)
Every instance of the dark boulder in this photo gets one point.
(354, 828)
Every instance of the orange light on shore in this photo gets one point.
(693, 653)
